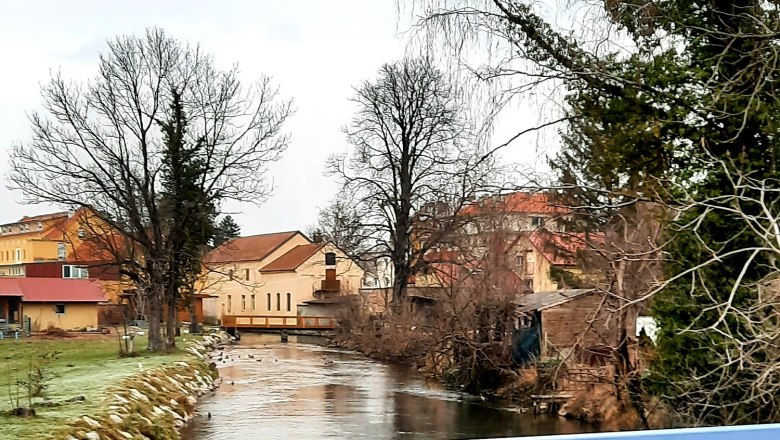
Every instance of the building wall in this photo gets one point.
(246, 279)
(76, 316)
(235, 297)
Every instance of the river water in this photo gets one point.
(300, 390)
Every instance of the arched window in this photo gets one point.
(289, 301)
(278, 301)
(269, 301)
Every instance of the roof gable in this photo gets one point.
(252, 248)
(293, 258)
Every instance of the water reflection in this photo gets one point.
(300, 390)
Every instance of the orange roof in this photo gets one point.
(293, 258)
(253, 248)
(520, 202)
(42, 217)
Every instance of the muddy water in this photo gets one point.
(300, 390)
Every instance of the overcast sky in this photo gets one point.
(316, 51)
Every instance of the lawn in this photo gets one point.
(87, 366)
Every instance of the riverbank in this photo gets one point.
(79, 376)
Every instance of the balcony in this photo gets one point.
(330, 286)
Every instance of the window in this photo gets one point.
(40, 226)
(243, 303)
(278, 301)
(330, 258)
(71, 271)
(269, 302)
(230, 304)
(60, 251)
(528, 285)
(230, 274)
(536, 222)
(18, 255)
(530, 262)
(253, 302)
(246, 274)
(59, 309)
(82, 233)
(289, 301)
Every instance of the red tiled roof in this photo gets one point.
(561, 248)
(292, 258)
(52, 290)
(253, 248)
(519, 202)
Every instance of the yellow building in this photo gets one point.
(60, 245)
(275, 274)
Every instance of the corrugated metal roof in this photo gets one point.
(52, 289)
(527, 302)
(292, 258)
(252, 248)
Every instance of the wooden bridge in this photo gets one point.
(259, 322)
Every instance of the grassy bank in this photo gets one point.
(86, 366)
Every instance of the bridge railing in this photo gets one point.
(279, 322)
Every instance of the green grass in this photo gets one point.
(85, 367)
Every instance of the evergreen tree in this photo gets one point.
(226, 229)
(189, 211)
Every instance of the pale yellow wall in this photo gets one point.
(300, 284)
(76, 316)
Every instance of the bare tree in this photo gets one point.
(99, 145)
(416, 156)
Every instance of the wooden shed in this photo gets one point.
(556, 322)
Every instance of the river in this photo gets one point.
(300, 390)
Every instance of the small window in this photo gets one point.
(230, 274)
(330, 258)
(269, 302)
(243, 303)
(70, 271)
(59, 308)
(253, 302)
(230, 303)
(536, 222)
(40, 226)
(528, 285)
(82, 233)
(289, 301)
(246, 274)
(278, 302)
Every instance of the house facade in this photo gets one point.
(273, 274)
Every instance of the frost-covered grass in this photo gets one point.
(87, 366)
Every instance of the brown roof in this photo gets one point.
(252, 248)
(293, 258)
(529, 302)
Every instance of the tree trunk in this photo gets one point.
(193, 315)
(402, 273)
(170, 324)
(154, 298)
